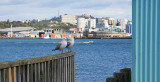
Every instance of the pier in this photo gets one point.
(55, 68)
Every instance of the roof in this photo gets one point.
(16, 29)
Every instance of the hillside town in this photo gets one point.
(79, 26)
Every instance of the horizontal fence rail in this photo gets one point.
(55, 68)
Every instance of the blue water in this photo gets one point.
(93, 62)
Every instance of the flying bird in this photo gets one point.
(61, 45)
(70, 43)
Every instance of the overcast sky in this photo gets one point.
(41, 9)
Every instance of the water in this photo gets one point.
(93, 62)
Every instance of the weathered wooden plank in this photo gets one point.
(24, 74)
(9, 75)
(0, 75)
(55, 70)
(58, 70)
(42, 72)
(48, 72)
(62, 69)
(33, 60)
(45, 71)
(39, 72)
(128, 72)
(31, 73)
(112, 80)
(14, 74)
(70, 69)
(35, 72)
(73, 68)
(4, 75)
(19, 74)
(121, 76)
(52, 77)
(65, 69)
(28, 74)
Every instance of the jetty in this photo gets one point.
(55, 68)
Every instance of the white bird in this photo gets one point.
(61, 45)
(70, 43)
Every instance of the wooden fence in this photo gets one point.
(55, 68)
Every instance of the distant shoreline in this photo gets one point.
(76, 38)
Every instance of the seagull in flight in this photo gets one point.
(61, 45)
(70, 43)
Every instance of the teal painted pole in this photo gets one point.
(146, 41)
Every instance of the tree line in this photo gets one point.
(39, 25)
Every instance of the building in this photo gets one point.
(91, 23)
(111, 21)
(55, 30)
(82, 23)
(102, 24)
(129, 28)
(15, 30)
(123, 23)
(72, 19)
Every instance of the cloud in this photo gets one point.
(30, 9)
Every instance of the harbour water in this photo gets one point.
(94, 62)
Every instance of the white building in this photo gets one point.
(91, 23)
(72, 19)
(123, 23)
(82, 23)
(103, 24)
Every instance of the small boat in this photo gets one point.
(88, 42)
(47, 37)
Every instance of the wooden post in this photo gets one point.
(42, 72)
(14, 74)
(48, 72)
(35, 72)
(52, 70)
(58, 70)
(28, 73)
(55, 70)
(70, 69)
(73, 69)
(128, 72)
(9, 75)
(19, 74)
(65, 69)
(31, 73)
(4, 75)
(121, 76)
(0, 76)
(24, 74)
(45, 71)
(62, 69)
(39, 78)
(112, 80)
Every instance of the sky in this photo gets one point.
(17, 10)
